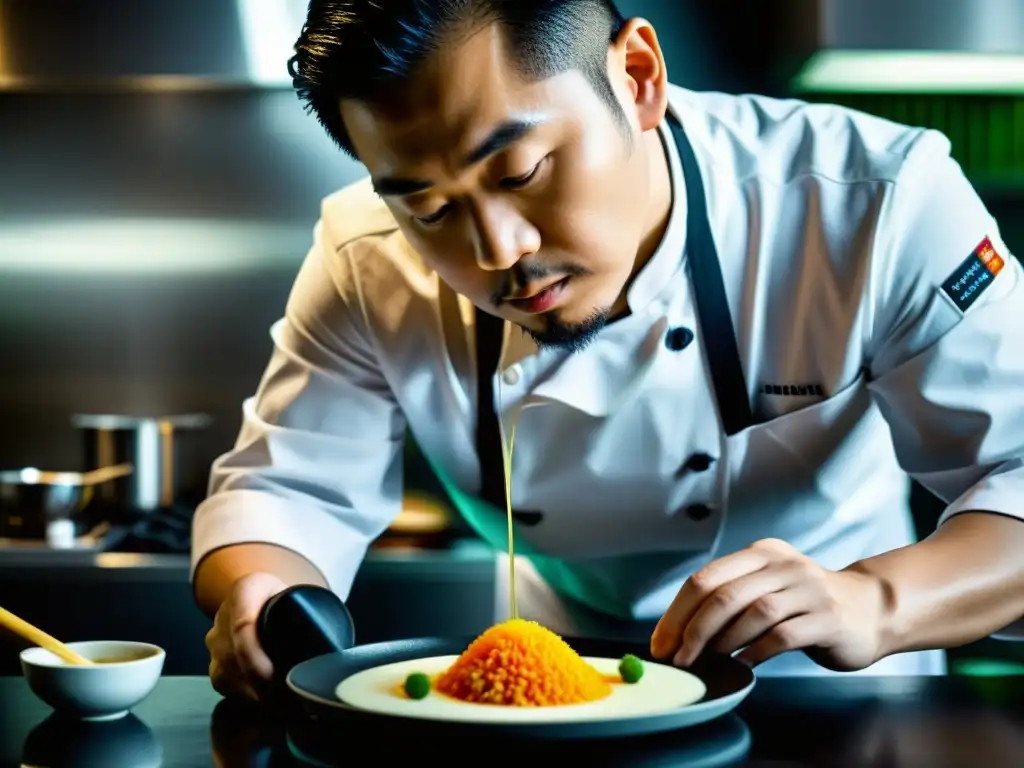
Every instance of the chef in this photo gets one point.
(725, 329)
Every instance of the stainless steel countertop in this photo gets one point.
(464, 558)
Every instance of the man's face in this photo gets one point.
(530, 199)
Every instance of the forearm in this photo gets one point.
(219, 570)
(959, 585)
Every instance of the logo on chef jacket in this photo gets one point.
(794, 390)
(974, 275)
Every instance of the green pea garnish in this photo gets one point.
(417, 685)
(631, 668)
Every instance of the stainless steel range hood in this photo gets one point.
(155, 136)
(917, 46)
(150, 44)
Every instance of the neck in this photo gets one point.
(659, 205)
(661, 198)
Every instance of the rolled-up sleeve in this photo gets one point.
(947, 341)
(317, 464)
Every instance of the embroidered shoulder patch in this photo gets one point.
(973, 276)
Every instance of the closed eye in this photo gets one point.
(435, 217)
(513, 182)
(517, 182)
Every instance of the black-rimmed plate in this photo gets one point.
(314, 683)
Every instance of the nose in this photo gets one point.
(502, 236)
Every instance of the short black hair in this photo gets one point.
(360, 49)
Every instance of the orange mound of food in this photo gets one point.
(520, 663)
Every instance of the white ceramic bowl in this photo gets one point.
(96, 692)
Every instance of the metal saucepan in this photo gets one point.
(149, 444)
(311, 623)
(32, 500)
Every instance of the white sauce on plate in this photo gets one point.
(662, 689)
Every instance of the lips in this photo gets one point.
(531, 291)
(540, 300)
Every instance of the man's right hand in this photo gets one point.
(239, 668)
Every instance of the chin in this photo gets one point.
(568, 335)
(571, 314)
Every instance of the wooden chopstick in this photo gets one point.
(36, 636)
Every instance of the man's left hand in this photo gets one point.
(768, 599)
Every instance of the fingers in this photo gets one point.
(763, 613)
(738, 607)
(248, 599)
(228, 680)
(239, 667)
(668, 635)
(225, 676)
(797, 633)
(249, 655)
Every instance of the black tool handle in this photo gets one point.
(301, 623)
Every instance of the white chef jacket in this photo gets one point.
(836, 232)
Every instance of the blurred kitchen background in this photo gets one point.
(158, 186)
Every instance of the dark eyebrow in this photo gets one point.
(387, 186)
(505, 134)
(499, 138)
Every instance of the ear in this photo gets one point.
(637, 63)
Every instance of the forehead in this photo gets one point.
(455, 100)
